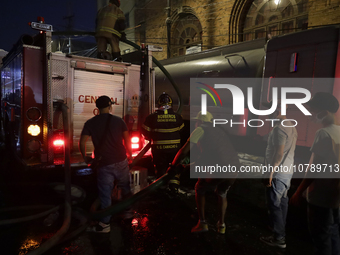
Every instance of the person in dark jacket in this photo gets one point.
(110, 23)
(163, 128)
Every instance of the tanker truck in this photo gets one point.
(312, 55)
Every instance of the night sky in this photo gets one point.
(15, 15)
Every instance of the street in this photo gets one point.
(161, 224)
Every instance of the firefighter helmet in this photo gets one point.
(164, 99)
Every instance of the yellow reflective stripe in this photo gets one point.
(110, 30)
(167, 130)
(175, 182)
(146, 128)
(167, 141)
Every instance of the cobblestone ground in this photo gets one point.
(162, 224)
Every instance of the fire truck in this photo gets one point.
(35, 81)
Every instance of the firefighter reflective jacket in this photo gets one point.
(107, 17)
(164, 130)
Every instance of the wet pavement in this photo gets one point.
(161, 225)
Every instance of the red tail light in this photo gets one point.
(135, 146)
(135, 139)
(135, 142)
(58, 143)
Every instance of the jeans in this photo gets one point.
(323, 226)
(277, 200)
(106, 176)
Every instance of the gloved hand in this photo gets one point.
(123, 37)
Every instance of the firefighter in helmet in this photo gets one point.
(164, 129)
(110, 23)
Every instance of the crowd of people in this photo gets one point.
(164, 129)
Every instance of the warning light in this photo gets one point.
(33, 130)
(135, 146)
(135, 139)
(33, 114)
(135, 142)
(58, 142)
(41, 19)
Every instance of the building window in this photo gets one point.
(288, 27)
(267, 18)
(186, 33)
(302, 6)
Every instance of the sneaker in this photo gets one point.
(270, 240)
(220, 228)
(100, 228)
(200, 227)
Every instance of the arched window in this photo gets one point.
(186, 35)
(274, 17)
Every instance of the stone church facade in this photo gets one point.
(198, 25)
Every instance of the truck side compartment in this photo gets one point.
(74, 80)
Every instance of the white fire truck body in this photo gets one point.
(34, 80)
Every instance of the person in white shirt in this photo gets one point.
(279, 153)
(323, 188)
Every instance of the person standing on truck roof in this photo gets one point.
(163, 128)
(108, 132)
(279, 153)
(215, 148)
(110, 23)
(323, 187)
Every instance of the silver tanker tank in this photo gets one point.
(242, 60)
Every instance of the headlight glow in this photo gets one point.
(33, 130)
